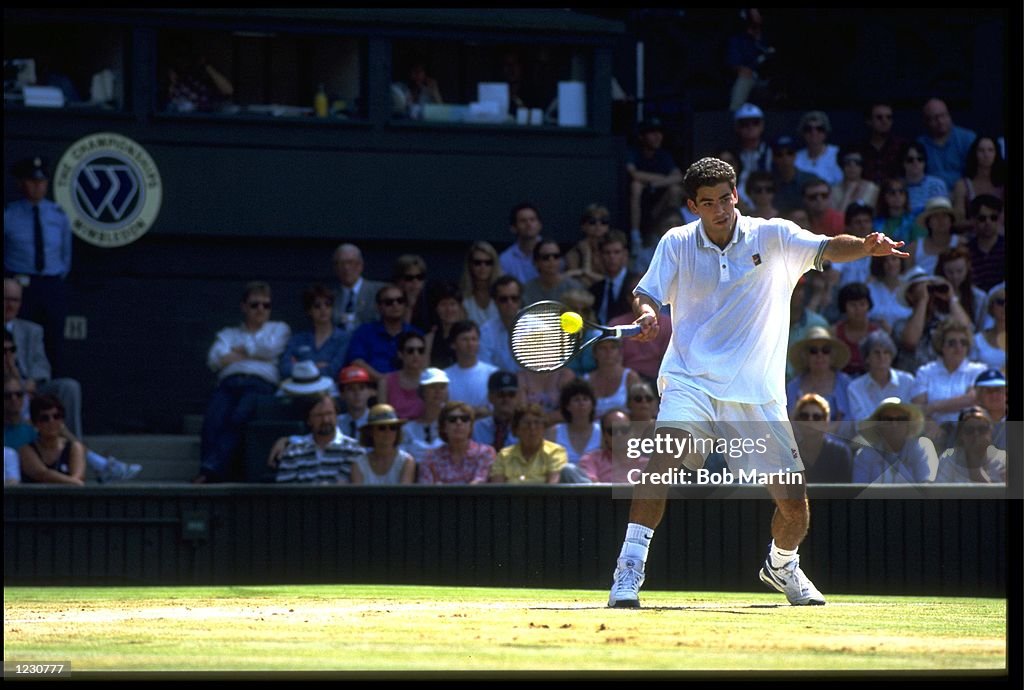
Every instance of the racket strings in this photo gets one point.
(538, 341)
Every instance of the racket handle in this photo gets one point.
(627, 331)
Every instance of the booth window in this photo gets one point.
(53, 65)
(258, 73)
(487, 83)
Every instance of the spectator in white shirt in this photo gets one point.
(467, 378)
(881, 381)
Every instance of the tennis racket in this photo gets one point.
(540, 343)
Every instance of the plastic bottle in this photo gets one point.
(320, 102)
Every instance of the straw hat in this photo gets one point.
(935, 205)
(818, 335)
(382, 413)
(870, 426)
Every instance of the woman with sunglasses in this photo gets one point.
(827, 459)
(52, 458)
(818, 360)
(461, 460)
(973, 458)
(945, 386)
(610, 463)
(383, 462)
(400, 388)
(990, 343)
(480, 270)
(891, 449)
(853, 187)
(551, 283)
(583, 262)
(920, 187)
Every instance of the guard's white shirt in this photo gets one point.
(730, 308)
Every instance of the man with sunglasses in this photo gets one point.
(728, 279)
(507, 293)
(987, 245)
(374, 345)
(245, 359)
(818, 157)
(882, 149)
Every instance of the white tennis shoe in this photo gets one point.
(792, 582)
(627, 580)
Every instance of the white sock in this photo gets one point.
(779, 556)
(638, 539)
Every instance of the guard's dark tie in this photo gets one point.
(40, 251)
(351, 305)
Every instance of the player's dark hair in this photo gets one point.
(708, 172)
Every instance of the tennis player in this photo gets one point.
(728, 279)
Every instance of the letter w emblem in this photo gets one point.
(107, 191)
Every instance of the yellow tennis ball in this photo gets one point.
(571, 322)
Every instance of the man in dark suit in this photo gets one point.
(357, 296)
(613, 296)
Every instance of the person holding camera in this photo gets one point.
(931, 299)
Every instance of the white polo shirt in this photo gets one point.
(730, 308)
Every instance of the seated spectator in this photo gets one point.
(517, 260)
(245, 358)
(645, 357)
(857, 219)
(987, 246)
(891, 448)
(532, 460)
(410, 274)
(503, 395)
(955, 266)
(945, 386)
(760, 187)
(932, 301)
(324, 343)
(937, 219)
(479, 272)
(550, 282)
(611, 378)
(12, 467)
(642, 249)
(881, 380)
(984, 173)
(422, 433)
(193, 84)
(801, 317)
(374, 345)
(825, 220)
(920, 186)
(447, 310)
(400, 388)
(468, 376)
(613, 295)
(579, 433)
(990, 343)
(946, 143)
(827, 459)
(507, 292)
(990, 389)
(323, 456)
(853, 188)
(789, 181)
(106, 468)
(895, 219)
(583, 261)
(655, 180)
(460, 460)
(17, 431)
(818, 157)
(643, 402)
(356, 303)
(818, 360)
(973, 458)
(52, 458)
(416, 90)
(356, 390)
(545, 389)
(854, 326)
(382, 461)
(885, 286)
(306, 380)
(609, 463)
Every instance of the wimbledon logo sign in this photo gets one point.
(109, 187)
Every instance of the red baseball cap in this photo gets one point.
(353, 374)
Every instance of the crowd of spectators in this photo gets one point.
(411, 378)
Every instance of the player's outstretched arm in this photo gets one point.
(844, 248)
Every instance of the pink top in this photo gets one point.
(407, 403)
(601, 467)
